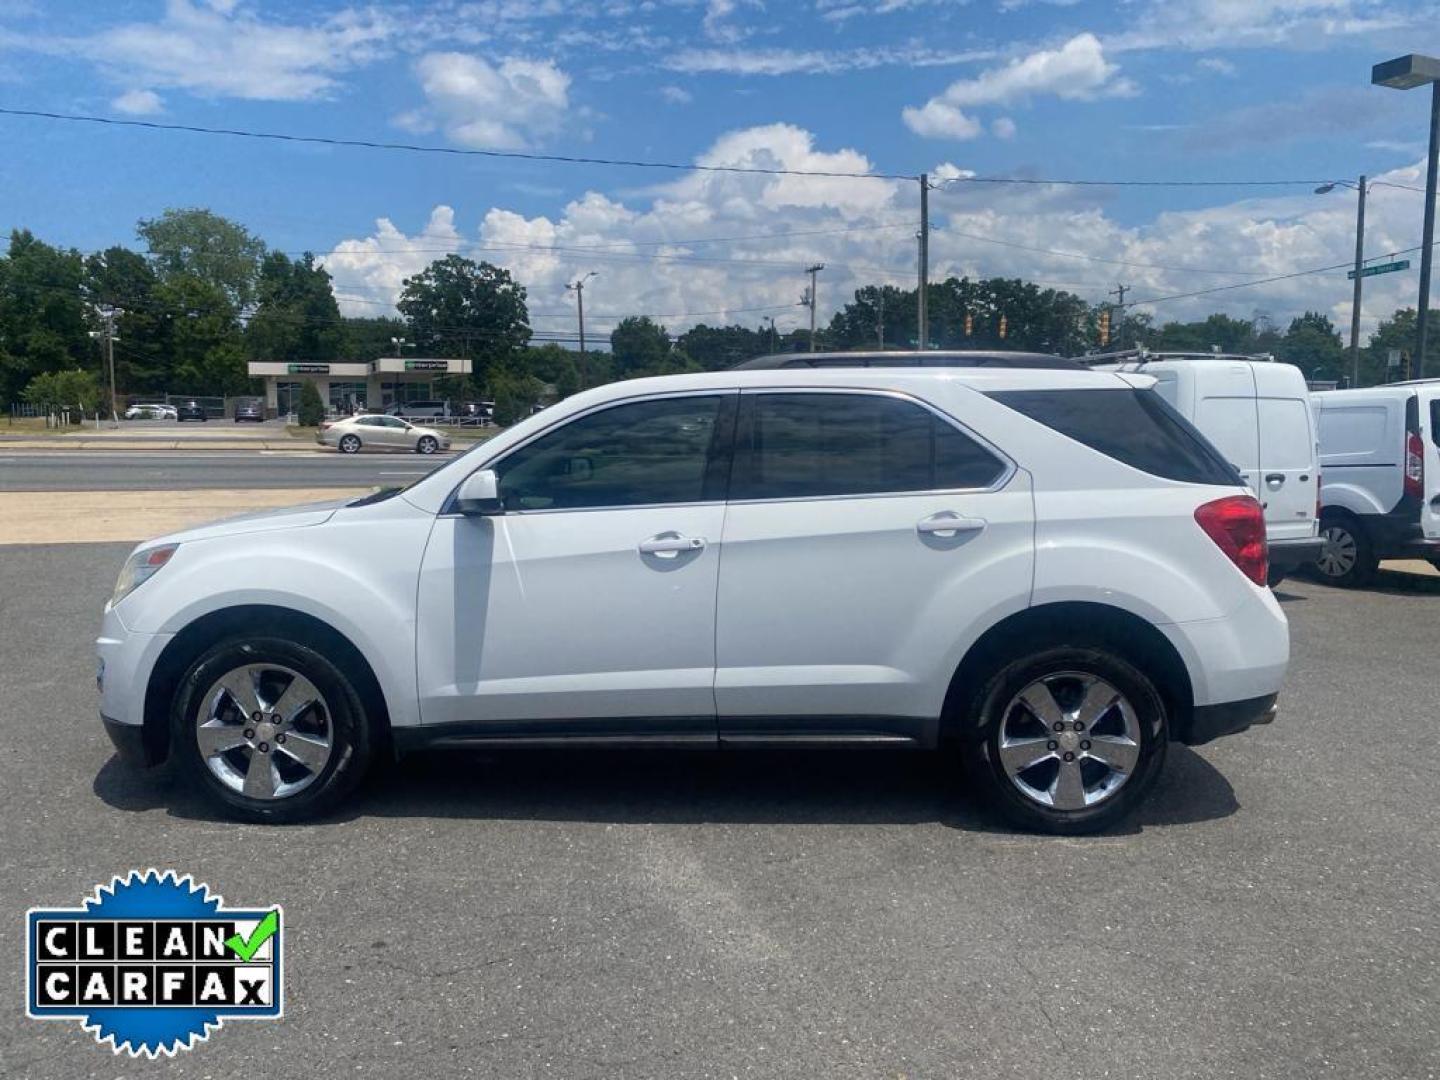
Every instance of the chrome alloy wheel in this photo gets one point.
(1069, 741)
(1337, 557)
(264, 731)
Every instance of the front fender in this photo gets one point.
(356, 576)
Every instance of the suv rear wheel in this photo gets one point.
(1348, 558)
(269, 730)
(1070, 739)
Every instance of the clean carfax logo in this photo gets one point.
(153, 962)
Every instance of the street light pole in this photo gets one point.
(1406, 73)
(812, 271)
(578, 286)
(922, 313)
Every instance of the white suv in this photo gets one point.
(1050, 572)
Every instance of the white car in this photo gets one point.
(1380, 452)
(150, 412)
(369, 432)
(1050, 572)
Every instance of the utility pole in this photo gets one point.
(578, 286)
(922, 334)
(1427, 240)
(1118, 315)
(1355, 303)
(774, 344)
(107, 335)
(810, 298)
(880, 318)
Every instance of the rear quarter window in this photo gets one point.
(1132, 426)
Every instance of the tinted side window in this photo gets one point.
(640, 454)
(1136, 427)
(1435, 421)
(803, 445)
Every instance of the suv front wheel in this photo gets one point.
(270, 730)
(1069, 739)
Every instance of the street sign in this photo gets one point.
(1381, 268)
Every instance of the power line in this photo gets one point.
(567, 159)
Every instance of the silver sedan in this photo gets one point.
(356, 433)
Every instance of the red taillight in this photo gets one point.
(1414, 466)
(1237, 525)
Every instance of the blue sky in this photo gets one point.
(1142, 89)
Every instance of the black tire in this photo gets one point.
(981, 746)
(426, 445)
(349, 729)
(1346, 534)
(350, 444)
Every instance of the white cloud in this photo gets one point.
(937, 119)
(221, 50)
(786, 61)
(863, 231)
(138, 103)
(1002, 127)
(502, 106)
(676, 95)
(1291, 24)
(1217, 65)
(1076, 71)
(717, 22)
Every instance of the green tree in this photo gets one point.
(312, 409)
(554, 366)
(515, 396)
(370, 338)
(200, 244)
(1231, 335)
(714, 348)
(206, 349)
(1312, 345)
(43, 323)
(1396, 332)
(296, 318)
(56, 390)
(458, 307)
(122, 279)
(640, 346)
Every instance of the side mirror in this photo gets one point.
(479, 495)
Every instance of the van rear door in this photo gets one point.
(1288, 480)
(1430, 423)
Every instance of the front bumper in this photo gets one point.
(1293, 554)
(134, 743)
(1208, 722)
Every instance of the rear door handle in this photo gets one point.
(948, 523)
(671, 544)
(1274, 479)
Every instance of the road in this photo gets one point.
(84, 470)
(1270, 914)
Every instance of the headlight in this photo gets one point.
(140, 568)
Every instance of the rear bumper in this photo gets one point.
(1293, 554)
(1208, 722)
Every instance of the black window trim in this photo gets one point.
(722, 450)
(742, 434)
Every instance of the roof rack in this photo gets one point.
(930, 358)
(1142, 355)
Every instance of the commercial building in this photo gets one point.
(348, 385)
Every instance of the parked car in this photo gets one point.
(420, 410)
(369, 432)
(1380, 498)
(191, 410)
(148, 411)
(1049, 573)
(1257, 413)
(252, 410)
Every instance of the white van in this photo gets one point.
(1380, 452)
(1257, 413)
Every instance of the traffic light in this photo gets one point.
(969, 324)
(1104, 327)
(1003, 324)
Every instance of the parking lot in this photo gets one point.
(1270, 913)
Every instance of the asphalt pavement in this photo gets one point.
(1271, 913)
(139, 470)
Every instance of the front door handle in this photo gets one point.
(948, 523)
(1275, 479)
(671, 544)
